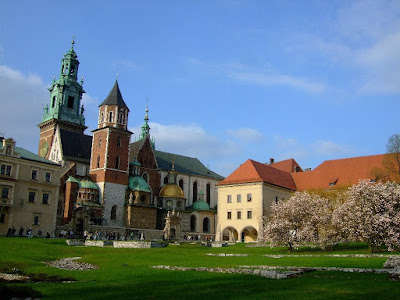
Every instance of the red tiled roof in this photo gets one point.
(288, 165)
(341, 172)
(252, 171)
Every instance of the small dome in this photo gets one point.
(137, 183)
(87, 184)
(200, 205)
(171, 190)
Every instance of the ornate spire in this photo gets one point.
(145, 127)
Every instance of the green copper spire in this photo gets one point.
(66, 92)
(146, 128)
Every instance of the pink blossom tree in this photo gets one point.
(371, 214)
(303, 218)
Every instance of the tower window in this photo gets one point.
(98, 161)
(110, 117)
(101, 117)
(119, 142)
(117, 162)
(72, 69)
(71, 102)
(114, 212)
(53, 103)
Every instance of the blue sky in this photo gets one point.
(225, 80)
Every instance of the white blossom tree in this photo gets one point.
(302, 219)
(370, 214)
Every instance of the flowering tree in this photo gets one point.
(371, 214)
(303, 218)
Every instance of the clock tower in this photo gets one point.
(65, 110)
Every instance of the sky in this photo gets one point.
(224, 80)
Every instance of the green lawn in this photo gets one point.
(127, 273)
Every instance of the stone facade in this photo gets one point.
(29, 187)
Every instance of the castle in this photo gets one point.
(111, 184)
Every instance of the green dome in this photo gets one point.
(200, 205)
(137, 183)
(87, 184)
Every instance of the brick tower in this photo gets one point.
(65, 110)
(109, 164)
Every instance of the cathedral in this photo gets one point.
(110, 184)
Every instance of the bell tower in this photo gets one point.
(109, 164)
(65, 110)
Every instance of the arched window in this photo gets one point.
(146, 177)
(119, 142)
(98, 161)
(110, 117)
(206, 225)
(114, 212)
(193, 223)
(181, 183)
(117, 163)
(101, 117)
(208, 193)
(165, 179)
(53, 103)
(194, 191)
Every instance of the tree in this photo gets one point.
(370, 214)
(303, 218)
(390, 170)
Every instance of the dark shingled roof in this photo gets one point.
(135, 148)
(76, 146)
(114, 97)
(184, 164)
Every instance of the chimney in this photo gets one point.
(271, 161)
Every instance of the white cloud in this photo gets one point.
(329, 148)
(246, 135)
(257, 76)
(22, 97)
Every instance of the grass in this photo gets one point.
(127, 273)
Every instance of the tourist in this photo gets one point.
(21, 231)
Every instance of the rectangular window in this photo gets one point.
(239, 214)
(34, 174)
(229, 215)
(71, 102)
(36, 220)
(249, 214)
(248, 197)
(31, 197)
(239, 198)
(45, 199)
(48, 177)
(4, 192)
(229, 199)
(2, 218)
(5, 170)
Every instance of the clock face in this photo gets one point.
(44, 149)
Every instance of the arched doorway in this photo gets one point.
(230, 234)
(249, 235)
(206, 225)
(193, 223)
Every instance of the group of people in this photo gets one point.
(11, 231)
(197, 238)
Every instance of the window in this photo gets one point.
(98, 161)
(48, 177)
(193, 223)
(239, 214)
(71, 102)
(31, 197)
(239, 198)
(181, 183)
(229, 215)
(146, 177)
(248, 197)
(34, 174)
(229, 199)
(165, 179)
(208, 193)
(206, 225)
(5, 170)
(4, 192)
(101, 117)
(114, 212)
(119, 142)
(53, 103)
(276, 200)
(117, 162)
(99, 141)
(110, 117)
(2, 218)
(45, 199)
(249, 214)
(35, 220)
